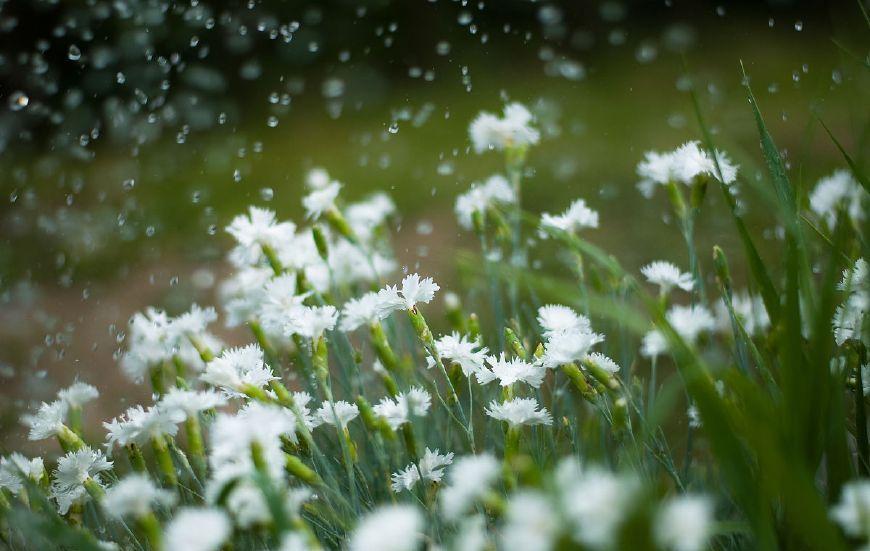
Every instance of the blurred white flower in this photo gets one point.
(258, 228)
(519, 412)
(340, 413)
(265, 424)
(388, 528)
(280, 300)
(577, 217)
(469, 479)
(187, 403)
(236, 368)
(198, 529)
(78, 394)
(368, 215)
(480, 197)
(364, 310)
(317, 178)
(667, 276)
(321, 200)
(689, 322)
(683, 165)
(397, 412)
(568, 347)
(430, 467)
(139, 425)
(311, 321)
(654, 344)
(602, 362)
(684, 523)
(15, 469)
(839, 190)
(514, 130)
(556, 318)
(749, 309)
(468, 354)
(531, 523)
(135, 495)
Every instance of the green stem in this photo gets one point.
(164, 460)
(150, 526)
(195, 445)
(861, 415)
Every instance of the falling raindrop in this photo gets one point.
(74, 53)
(18, 101)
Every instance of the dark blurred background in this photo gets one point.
(132, 131)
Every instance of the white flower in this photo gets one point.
(683, 165)
(188, 403)
(397, 412)
(138, 425)
(311, 321)
(134, 496)
(366, 216)
(667, 276)
(852, 512)
(78, 394)
(279, 302)
(73, 469)
(193, 322)
(148, 343)
(293, 541)
(531, 523)
(350, 265)
(514, 130)
(602, 362)
(854, 279)
(595, 501)
(243, 294)
(237, 368)
(516, 370)
(577, 217)
(430, 467)
(414, 290)
(849, 317)
(470, 478)
(321, 200)
(264, 424)
(519, 411)
(317, 178)
(749, 309)
(16, 468)
(555, 318)
(479, 198)
(388, 528)
(684, 523)
(568, 347)
(257, 229)
(689, 322)
(653, 344)
(468, 354)
(839, 190)
(47, 421)
(339, 413)
(197, 529)
(364, 310)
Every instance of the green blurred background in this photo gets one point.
(132, 132)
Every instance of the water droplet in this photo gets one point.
(74, 53)
(128, 184)
(272, 121)
(798, 25)
(267, 193)
(18, 101)
(237, 175)
(394, 128)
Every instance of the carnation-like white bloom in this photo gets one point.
(311, 321)
(576, 218)
(193, 322)
(568, 347)
(480, 197)
(855, 278)
(16, 468)
(148, 340)
(135, 495)
(689, 322)
(519, 412)
(516, 370)
(139, 425)
(684, 523)
(595, 501)
(388, 528)
(73, 470)
(364, 310)
(667, 276)
(470, 356)
(852, 512)
(513, 130)
(683, 165)
(78, 394)
(848, 322)
(197, 529)
(469, 479)
(556, 318)
(280, 301)
(749, 309)
(602, 362)
(839, 190)
(48, 420)
(366, 216)
(397, 411)
(243, 293)
(339, 413)
(430, 467)
(321, 200)
(257, 229)
(264, 424)
(414, 290)
(531, 523)
(236, 368)
(187, 403)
